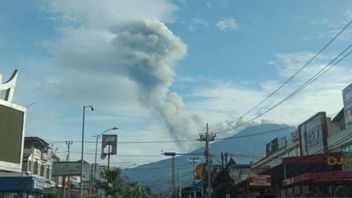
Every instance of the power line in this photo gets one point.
(299, 70)
(257, 134)
(288, 80)
(132, 142)
(176, 141)
(327, 67)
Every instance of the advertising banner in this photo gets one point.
(199, 171)
(347, 105)
(313, 135)
(259, 180)
(11, 136)
(71, 169)
(109, 145)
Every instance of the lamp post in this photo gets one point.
(96, 148)
(82, 148)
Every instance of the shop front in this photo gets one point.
(26, 186)
(320, 175)
(319, 184)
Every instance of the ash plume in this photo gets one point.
(149, 49)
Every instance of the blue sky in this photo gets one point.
(161, 69)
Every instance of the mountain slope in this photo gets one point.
(242, 147)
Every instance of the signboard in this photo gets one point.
(12, 118)
(259, 180)
(39, 184)
(197, 186)
(343, 160)
(110, 141)
(347, 105)
(199, 171)
(313, 135)
(347, 166)
(71, 169)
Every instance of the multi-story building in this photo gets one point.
(25, 163)
(37, 159)
(36, 176)
(315, 161)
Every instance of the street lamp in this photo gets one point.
(96, 147)
(82, 148)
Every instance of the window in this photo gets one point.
(35, 168)
(24, 166)
(29, 165)
(47, 174)
(42, 168)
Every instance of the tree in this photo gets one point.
(116, 186)
(223, 184)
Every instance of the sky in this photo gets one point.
(162, 69)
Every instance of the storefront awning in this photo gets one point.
(22, 184)
(319, 176)
(310, 159)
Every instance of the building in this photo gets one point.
(25, 163)
(37, 159)
(70, 172)
(36, 176)
(314, 161)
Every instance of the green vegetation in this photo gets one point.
(118, 187)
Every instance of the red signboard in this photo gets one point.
(259, 180)
(319, 176)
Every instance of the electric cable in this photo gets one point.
(300, 69)
(332, 63)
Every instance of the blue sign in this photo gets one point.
(198, 186)
(347, 105)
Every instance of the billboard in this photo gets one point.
(12, 118)
(109, 145)
(70, 168)
(347, 105)
(199, 171)
(313, 135)
(259, 180)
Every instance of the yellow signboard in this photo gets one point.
(332, 161)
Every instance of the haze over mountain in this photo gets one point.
(242, 147)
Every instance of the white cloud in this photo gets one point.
(198, 24)
(328, 27)
(218, 100)
(108, 13)
(227, 23)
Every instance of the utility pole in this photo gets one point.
(208, 138)
(173, 176)
(66, 180)
(68, 143)
(172, 154)
(180, 192)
